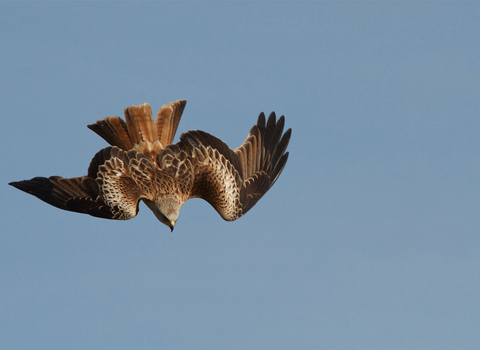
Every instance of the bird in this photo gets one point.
(142, 164)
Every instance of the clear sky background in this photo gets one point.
(370, 239)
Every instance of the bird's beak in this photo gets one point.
(172, 225)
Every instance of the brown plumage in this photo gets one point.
(143, 164)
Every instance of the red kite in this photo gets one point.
(143, 164)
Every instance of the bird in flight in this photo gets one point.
(143, 164)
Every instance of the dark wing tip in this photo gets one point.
(28, 185)
(75, 194)
(42, 188)
(287, 136)
(261, 121)
(271, 120)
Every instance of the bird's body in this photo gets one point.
(143, 164)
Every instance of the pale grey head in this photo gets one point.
(166, 209)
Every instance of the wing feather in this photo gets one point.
(78, 194)
(233, 181)
(115, 183)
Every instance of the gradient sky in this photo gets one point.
(370, 238)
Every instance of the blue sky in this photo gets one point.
(369, 239)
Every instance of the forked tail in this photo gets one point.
(139, 125)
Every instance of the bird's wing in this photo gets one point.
(232, 181)
(115, 183)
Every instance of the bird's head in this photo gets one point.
(165, 209)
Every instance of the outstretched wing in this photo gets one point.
(233, 181)
(115, 183)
